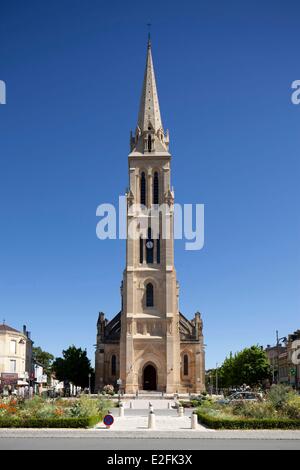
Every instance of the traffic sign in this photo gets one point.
(108, 420)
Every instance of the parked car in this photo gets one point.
(242, 396)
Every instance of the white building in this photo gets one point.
(15, 357)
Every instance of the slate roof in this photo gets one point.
(4, 327)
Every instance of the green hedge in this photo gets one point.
(76, 422)
(247, 423)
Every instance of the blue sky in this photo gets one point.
(74, 73)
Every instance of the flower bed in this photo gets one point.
(39, 413)
(280, 410)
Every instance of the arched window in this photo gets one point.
(143, 189)
(149, 143)
(149, 295)
(155, 188)
(149, 247)
(141, 250)
(158, 250)
(113, 365)
(185, 364)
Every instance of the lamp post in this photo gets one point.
(277, 347)
(90, 383)
(211, 384)
(216, 378)
(119, 383)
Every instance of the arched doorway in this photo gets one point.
(149, 378)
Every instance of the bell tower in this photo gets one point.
(150, 344)
(150, 339)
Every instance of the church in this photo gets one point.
(150, 345)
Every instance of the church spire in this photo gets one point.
(149, 114)
(149, 134)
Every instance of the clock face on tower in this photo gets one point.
(149, 244)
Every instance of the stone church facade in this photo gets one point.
(150, 344)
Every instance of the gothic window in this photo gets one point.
(155, 188)
(158, 250)
(149, 247)
(149, 295)
(185, 364)
(143, 189)
(149, 143)
(141, 250)
(113, 365)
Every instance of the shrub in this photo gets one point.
(104, 406)
(278, 395)
(195, 403)
(216, 422)
(78, 422)
(45, 411)
(186, 404)
(86, 406)
(33, 405)
(252, 410)
(292, 407)
(108, 389)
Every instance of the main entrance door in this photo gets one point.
(149, 379)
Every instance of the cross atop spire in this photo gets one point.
(149, 35)
(149, 126)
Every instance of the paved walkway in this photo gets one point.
(170, 422)
(134, 425)
(136, 414)
(143, 404)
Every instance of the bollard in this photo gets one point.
(121, 410)
(180, 411)
(194, 421)
(169, 405)
(131, 404)
(151, 420)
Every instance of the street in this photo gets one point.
(81, 441)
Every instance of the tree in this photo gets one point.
(228, 371)
(252, 366)
(73, 367)
(249, 366)
(44, 358)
